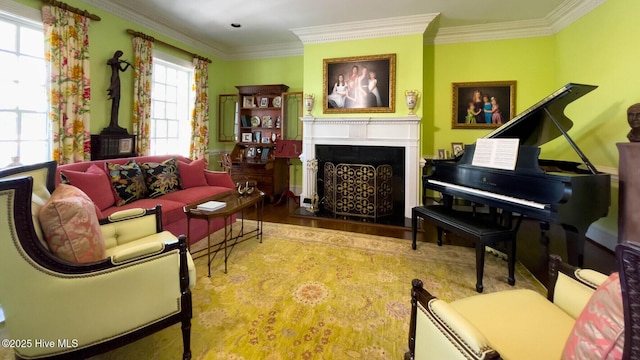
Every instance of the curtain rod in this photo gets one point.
(152, 39)
(75, 10)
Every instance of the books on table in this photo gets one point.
(211, 205)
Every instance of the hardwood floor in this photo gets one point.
(528, 248)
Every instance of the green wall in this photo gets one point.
(530, 62)
(601, 49)
(283, 70)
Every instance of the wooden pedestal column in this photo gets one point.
(629, 195)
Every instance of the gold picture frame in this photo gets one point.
(375, 88)
(467, 97)
(248, 102)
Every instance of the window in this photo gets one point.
(171, 106)
(25, 135)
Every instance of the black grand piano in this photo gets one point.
(570, 194)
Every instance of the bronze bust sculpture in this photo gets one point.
(633, 116)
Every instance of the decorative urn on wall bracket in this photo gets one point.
(309, 99)
(412, 98)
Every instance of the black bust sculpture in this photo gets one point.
(633, 116)
(117, 65)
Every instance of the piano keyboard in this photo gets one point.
(489, 194)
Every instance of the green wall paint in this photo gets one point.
(409, 67)
(530, 62)
(600, 49)
(283, 70)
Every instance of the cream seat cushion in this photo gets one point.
(130, 249)
(519, 324)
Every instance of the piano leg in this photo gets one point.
(544, 243)
(575, 246)
(414, 228)
(479, 268)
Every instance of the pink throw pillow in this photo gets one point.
(599, 329)
(70, 226)
(192, 174)
(94, 183)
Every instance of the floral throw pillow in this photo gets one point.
(161, 178)
(599, 330)
(127, 181)
(71, 227)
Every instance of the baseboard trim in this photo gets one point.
(602, 236)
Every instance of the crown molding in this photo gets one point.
(124, 13)
(561, 17)
(265, 51)
(570, 11)
(26, 12)
(494, 31)
(367, 29)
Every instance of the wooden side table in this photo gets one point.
(235, 203)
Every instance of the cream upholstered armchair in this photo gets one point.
(586, 315)
(139, 284)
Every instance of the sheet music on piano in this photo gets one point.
(496, 153)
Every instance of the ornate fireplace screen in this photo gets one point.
(358, 190)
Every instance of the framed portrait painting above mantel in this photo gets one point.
(482, 105)
(359, 84)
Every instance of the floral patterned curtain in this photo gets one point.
(199, 147)
(143, 66)
(67, 53)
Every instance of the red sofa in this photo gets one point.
(197, 187)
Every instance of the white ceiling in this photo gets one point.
(269, 22)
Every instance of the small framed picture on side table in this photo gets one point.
(264, 102)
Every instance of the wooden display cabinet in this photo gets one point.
(260, 124)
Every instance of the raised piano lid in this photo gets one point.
(533, 126)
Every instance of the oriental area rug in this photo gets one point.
(310, 293)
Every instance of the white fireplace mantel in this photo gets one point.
(401, 131)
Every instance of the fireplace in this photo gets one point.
(361, 181)
(388, 134)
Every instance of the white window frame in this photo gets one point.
(182, 120)
(27, 18)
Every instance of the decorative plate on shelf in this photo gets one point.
(255, 121)
(277, 101)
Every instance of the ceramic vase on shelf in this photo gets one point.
(412, 98)
(309, 99)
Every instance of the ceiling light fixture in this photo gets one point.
(235, 25)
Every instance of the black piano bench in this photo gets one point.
(468, 226)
